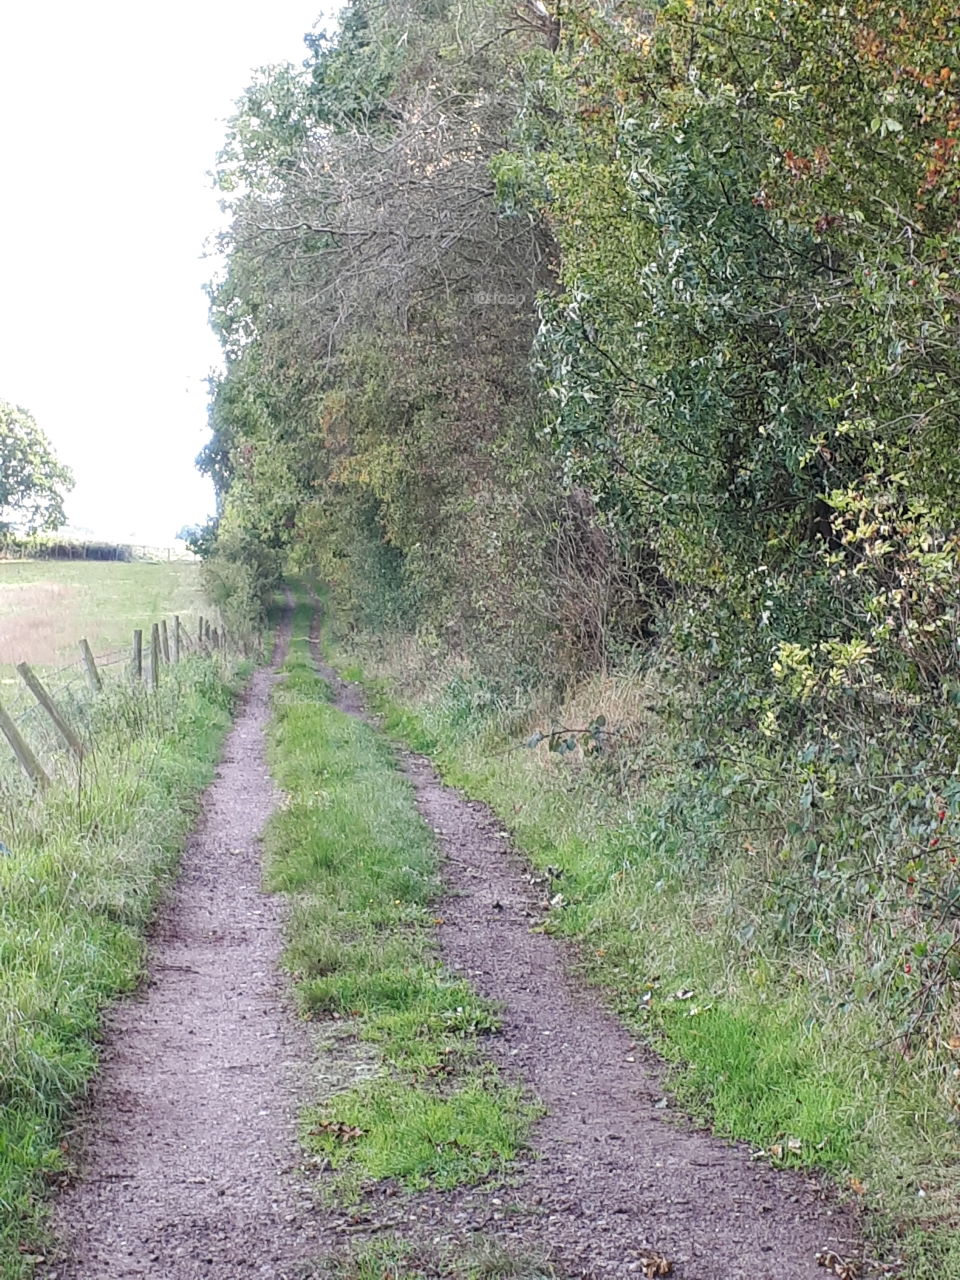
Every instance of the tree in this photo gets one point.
(376, 416)
(33, 481)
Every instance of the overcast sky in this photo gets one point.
(111, 115)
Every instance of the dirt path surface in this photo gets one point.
(618, 1177)
(190, 1169)
(187, 1171)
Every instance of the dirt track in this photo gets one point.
(191, 1156)
(191, 1129)
(618, 1178)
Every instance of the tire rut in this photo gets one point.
(190, 1166)
(187, 1167)
(617, 1175)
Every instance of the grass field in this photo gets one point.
(360, 865)
(46, 606)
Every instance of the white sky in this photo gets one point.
(111, 116)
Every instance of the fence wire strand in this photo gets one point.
(68, 685)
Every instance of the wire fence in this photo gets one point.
(48, 718)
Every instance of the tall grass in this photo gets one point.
(87, 865)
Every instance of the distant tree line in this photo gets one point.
(46, 548)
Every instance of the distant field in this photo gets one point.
(46, 606)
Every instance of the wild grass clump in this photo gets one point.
(361, 867)
(87, 864)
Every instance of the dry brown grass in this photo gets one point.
(47, 606)
(627, 701)
(37, 622)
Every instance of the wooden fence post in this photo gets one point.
(28, 761)
(93, 675)
(200, 632)
(165, 641)
(153, 656)
(176, 637)
(35, 685)
(136, 660)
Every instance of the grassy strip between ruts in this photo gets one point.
(762, 1057)
(87, 863)
(361, 868)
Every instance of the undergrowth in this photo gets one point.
(686, 899)
(85, 867)
(361, 868)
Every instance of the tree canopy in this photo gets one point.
(543, 335)
(33, 482)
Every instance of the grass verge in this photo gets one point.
(85, 868)
(765, 1043)
(361, 867)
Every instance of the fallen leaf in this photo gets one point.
(842, 1268)
(787, 1146)
(655, 1264)
(337, 1129)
